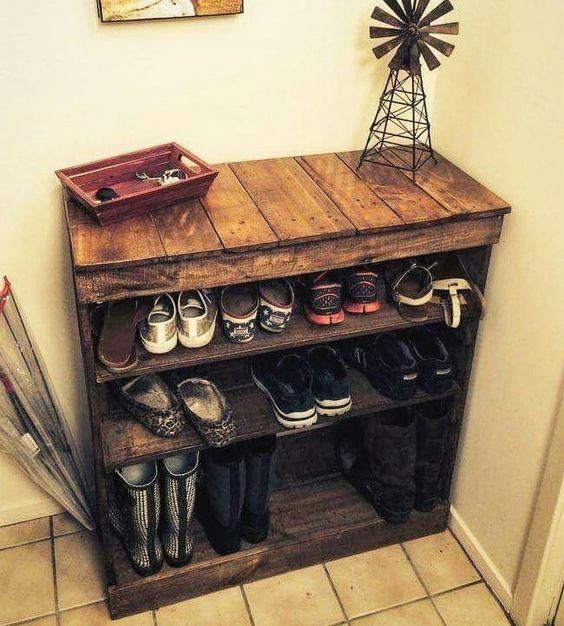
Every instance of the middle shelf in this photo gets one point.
(125, 441)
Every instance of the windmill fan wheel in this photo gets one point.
(412, 34)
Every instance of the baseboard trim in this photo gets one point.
(32, 510)
(483, 562)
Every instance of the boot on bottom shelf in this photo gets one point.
(134, 516)
(220, 500)
(259, 464)
(432, 431)
(390, 440)
(178, 491)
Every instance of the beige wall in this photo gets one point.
(498, 114)
(284, 78)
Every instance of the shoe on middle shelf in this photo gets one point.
(276, 302)
(331, 387)
(197, 314)
(388, 364)
(361, 291)
(287, 383)
(239, 305)
(435, 367)
(158, 331)
(322, 298)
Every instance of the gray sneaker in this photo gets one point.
(158, 331)
(197, 314)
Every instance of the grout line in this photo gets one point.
(414, 568)
(335, 592)
(466, 553)
(54, 569)
(154, 614)
(26, 543)
(388, 608)
(457, 588)
(247, 605)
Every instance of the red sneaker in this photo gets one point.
(323, 298)
(361, 291)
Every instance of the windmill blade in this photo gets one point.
(377, 33)
(399, 57)
(443, 8)
(407, 8)
(381, 15)
(384, 48)
(442, 46)
(442, 29)
(420, 9)
(393, 4)
(430, 58)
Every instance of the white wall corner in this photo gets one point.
(481, 559)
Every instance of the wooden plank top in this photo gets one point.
(271, 203)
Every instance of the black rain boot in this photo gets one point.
(178, 484)
(390, 440)
(134, 516)
(221, 499)
(353, 461)
(432, 431)
(259, 462)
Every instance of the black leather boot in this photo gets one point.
(259, 462)
(390, 440)
(221, 498)
(178, 491)
(432, 432)
(134, 516)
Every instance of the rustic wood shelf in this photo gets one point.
(127, 441)
(267, 219)
(299, 333)
(309, 524)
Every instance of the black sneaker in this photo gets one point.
(331, 388)
(287, 384)
(388, 364)
(436, 372)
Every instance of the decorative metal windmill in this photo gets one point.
(400, 134)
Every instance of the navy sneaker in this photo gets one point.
(436, 371)
(331, 387)
(388, 364)
(287, 383)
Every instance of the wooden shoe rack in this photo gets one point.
(266, 219)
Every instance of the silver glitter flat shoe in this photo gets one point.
(197, 314)
(158, 332)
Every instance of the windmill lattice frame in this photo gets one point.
(400, 135)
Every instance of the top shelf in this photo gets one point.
(289, 216)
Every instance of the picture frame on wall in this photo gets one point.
(133, 10)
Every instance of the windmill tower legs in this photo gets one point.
(400, 135)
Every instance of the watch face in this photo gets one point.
(127, 10)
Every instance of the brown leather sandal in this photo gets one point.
(116, 347)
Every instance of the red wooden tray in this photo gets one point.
(136, 196)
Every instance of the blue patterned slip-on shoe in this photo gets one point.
(239, 306)
(435, 367)
(331, 387)
(197, 313)
(276, 302)
(388, 364)
(286, 382)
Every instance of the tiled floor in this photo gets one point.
(51, 575)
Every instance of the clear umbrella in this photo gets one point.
(33, 428)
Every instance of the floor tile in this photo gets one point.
(18, 534)
(420, 613)
(441, 562)
(50, 620)
(375, 580)
(64, 524)
(300, 598)
(26, 582)
(471, 606)
(224, 608)
(80, 572)
(97, 615)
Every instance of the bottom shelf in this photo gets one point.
(310, 524)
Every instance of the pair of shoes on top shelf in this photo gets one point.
(151, 509)
(301, 388)
(396, 367)
(324, 302)
(190, 319)
(397, 464)
(165, 408)
(245, 307)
